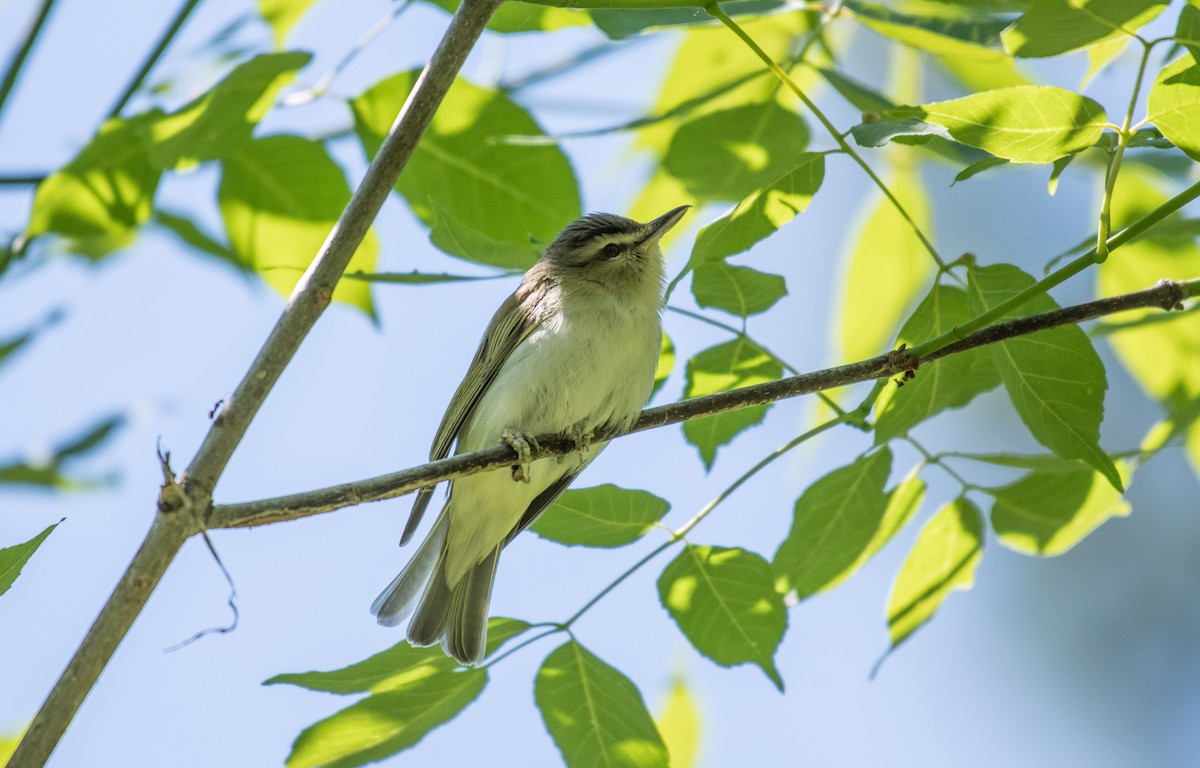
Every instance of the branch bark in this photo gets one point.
(183, 506)
(1166, 295)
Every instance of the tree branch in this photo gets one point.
(1166, 295)
(182, 505)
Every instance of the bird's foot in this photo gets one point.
(582, 438)
(523, 443)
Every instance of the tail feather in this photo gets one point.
(467, 614)
(396, 602)
(429, 622)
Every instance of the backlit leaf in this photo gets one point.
(594, 713)
(1054, 378)
(951, 382)
(1047, 513)
(220, 123)
(1052, 27)
(737, 363)
(1024, 124)
(474, 186)
(887, 268)
(1174, 105)
(741, 291)
(603, 516)
(834, 523)
(725, 603)
(280, 198)
(761, 213)
(282, 16)
(100, 198)
(727, 155)
(942, 561)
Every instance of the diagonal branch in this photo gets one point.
(1166, 295)
(182, 505)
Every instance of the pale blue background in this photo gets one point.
(1086, 659)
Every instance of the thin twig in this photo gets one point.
(18, 62)
(148, 65)
(1165, 295)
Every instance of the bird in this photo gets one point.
(572, 351)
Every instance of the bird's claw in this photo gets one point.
(523, 443)
(581, 437)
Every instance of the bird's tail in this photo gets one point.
(456, 616)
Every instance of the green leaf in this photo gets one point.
(14, 344)
(191, 234)
(737, 363)
(878, 132)
(603, 516)
(100, 198)
(279, 198)
(282, 15)
(951, 382)
(525, 17)
(729, 154)
(594, 713)
(725, 603)
(1052, 27)
(449, 235)
(741, 291)
(1047, 513)
(903, 501)
(1024, 124)
(1163, 358)
(386, 723)
(666, 364)
(761, 213)
(48, 472)
(680, 724)
(1054, 378)
(219, 123)
(1042, 462)
(834, 523)
(396, 668)
(13, 559)
(1187, 31)
(1174, 105)
(974, 169)
(413, 690)
(942, 561)
(713, 70)
(974, 36)
(885, 271)
(459, 176)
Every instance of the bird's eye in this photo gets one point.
(611, 251)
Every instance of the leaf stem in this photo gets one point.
(1114, 162)
(148, 65)
(715, 11)
(18, 61)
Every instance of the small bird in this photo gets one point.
(572, 351)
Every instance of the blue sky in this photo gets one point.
(1084, 659)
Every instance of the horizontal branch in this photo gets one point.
(1166, 295)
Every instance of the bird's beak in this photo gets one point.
(663, 224)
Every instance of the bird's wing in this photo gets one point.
(516, 318)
